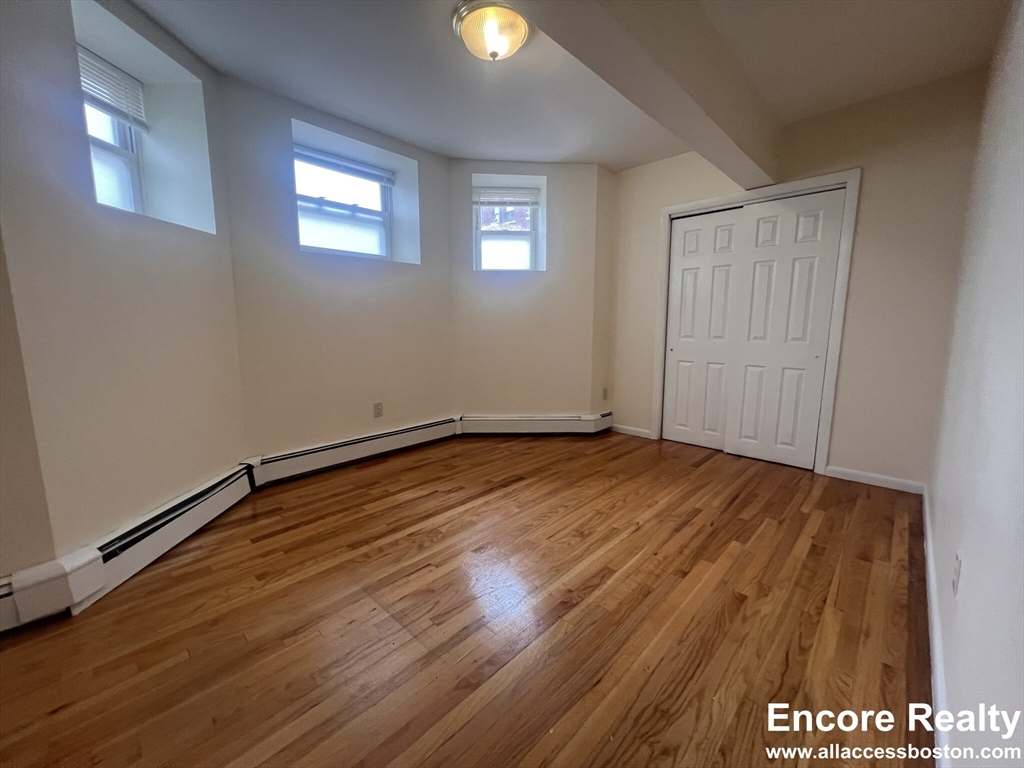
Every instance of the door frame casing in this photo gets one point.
(848, 180)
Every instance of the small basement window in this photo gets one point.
(344, 206)
(508, 223)
(145, 117)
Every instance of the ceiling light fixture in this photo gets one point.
(490, 29)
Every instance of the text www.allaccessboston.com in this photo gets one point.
(910, 752)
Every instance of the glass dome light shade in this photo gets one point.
(491, 31)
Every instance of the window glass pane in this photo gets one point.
(505, 218)
(113, 180)
(315, 181)
(341, 231)
(504, 252)
(100, 125)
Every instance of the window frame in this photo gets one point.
(130, 154)
(514, 197)
(381, 176)
(110, 90)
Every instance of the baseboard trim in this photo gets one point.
(284, 465)
(588, 423)
(82, 577)
(869, 478)
(635, 431)
(934, 628)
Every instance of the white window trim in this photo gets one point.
(506, 197)
(349, 167)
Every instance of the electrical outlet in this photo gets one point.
(957, 565)
(378, 410)
(604, 393)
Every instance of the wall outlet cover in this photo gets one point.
(378, 410)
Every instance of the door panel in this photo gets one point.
(788, 315)
(699, 326)
(750, 302)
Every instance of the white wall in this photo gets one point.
(26, 538)
(977, 486)
(916, 149)
(126, 323)
(641, 265)
(523, 341)
(606, 250)
(325, 336)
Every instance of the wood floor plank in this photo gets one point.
(534, 601)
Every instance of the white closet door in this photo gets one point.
(750, 303)
(783, 311)
(701, 289)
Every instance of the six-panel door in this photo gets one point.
(700, 325)
(750, 299)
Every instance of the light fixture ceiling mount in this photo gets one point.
(491, 29)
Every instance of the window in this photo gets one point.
(344, 206)
(390, 181)
(114, 113)
(506, 222)
(145, 120)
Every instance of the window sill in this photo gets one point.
(333, 252)
(531, 270)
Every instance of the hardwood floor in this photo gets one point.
(563, 601)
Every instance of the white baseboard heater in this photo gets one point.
(513, 425)
(284, 465)
(82, 577)
(127, 553)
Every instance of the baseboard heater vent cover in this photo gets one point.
(509, 425)
(153, 524)
(284, 465)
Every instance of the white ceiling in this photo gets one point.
(806, 57)
(398, 67)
